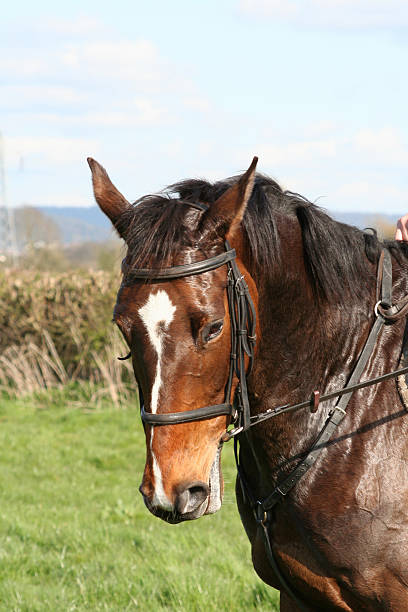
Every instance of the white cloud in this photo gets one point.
(79, 26)
(341, 171)
(101, 60)
(384, 145)
(148, 112)
(22, 96)
(140, 112)
(50, 150)
(201, 104)
(103, 83)
(367, 147)
(25, 64)
(294, 153)
(319, 129)
(63, 199)
(369, 195)
(331, 13)
(138, 60)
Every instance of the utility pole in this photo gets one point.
(8, 242)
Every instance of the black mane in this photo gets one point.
(158, 227)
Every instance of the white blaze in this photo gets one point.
(157, 314)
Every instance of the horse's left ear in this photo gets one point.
(225, 215)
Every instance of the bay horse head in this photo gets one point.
(178, 328)
(321, 492)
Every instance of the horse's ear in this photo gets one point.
(110, 200)
(225, 215)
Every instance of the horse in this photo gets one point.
(338, 537)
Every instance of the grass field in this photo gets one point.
(75, 535)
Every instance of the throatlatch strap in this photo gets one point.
(386, 285)
(389, 311)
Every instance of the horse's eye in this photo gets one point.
(212, 330)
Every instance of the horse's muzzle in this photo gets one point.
(190, 502)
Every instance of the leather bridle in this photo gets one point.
(243, 325)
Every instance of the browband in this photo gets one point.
(180, 271)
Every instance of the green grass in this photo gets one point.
(75, 535)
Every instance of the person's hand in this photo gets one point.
(401, 232)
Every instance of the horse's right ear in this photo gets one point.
(110, 200)
(225, 214)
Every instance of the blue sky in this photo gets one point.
(158, 91)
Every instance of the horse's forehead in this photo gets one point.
(153, 304)
(158, 308)
(157, 313)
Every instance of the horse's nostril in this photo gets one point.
(190, 497)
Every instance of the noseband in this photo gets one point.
(243, 325)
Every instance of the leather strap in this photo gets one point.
(389, 311)
(197, 205)
(395, 312)
(272, 412)
(243, 322)
(386, 285)
(198, 414)
(278, 572)
(197, 267)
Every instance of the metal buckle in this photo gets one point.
(239, 279)
(385, 307)
(261, 515)
(231, 433)
(314, 401)
(230, 276)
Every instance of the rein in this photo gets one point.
(243, 324)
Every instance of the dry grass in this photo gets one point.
(55, 329)
(29, 369)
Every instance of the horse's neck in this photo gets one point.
(305, 342)
(305, 345)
